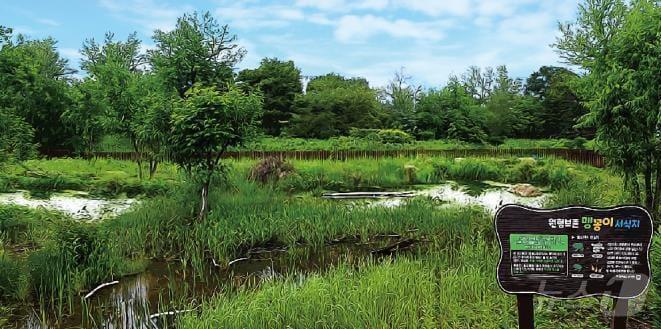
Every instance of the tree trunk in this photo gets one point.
(657, 193)
(138, 159)
(153, 164)
(204, 207)
(649, 197)
(626, 181)
(636, 188)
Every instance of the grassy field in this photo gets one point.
(49, 258)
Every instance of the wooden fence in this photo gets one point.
(588, 157)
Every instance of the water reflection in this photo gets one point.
(153, 298)
(74, 204)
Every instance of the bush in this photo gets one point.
(394, 136)
(385, 136)
(270, 169)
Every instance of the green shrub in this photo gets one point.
(13, 281)
(385, 136)
(394, 136)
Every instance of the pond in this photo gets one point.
(490, 195)
(73, 203)
(153, 298)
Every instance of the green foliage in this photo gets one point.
(33, 87)
(280, 83)
(86, 116)
(450, 113)
(16, 137)
(383, 136)
(102, 177)
(332, 106)
(13, 281)
(617, 43)
(205, 124)
(560, 107)
(198, 51)
(656, 278)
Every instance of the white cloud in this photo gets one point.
(351, 28)
(149, 14)
(46, 21)
(344, 5)
(436, 7)
(244, 16)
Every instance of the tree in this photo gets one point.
(477, 83)
(34, 82)
(198, 51)
(451, 113)
(618, 46)
(87, 114)
(151, 124)
(280, 83)
(205, 124)
(400, 98)
(332, 106)
(561, 106)
(116, 68)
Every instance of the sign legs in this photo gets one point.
(620, 308)
(524, 303)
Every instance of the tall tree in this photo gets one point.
(451, 113)
(280, 83)
(204, 125)
(86, 116)
(332, 106)
(400, 98)
(34, 82)
(561, 106)
(478, 83)
(197, 51)
(116, 67)
(618, 45)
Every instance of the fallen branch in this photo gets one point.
(391, 249)
(100, 287)
(168, 313)
(237, 260)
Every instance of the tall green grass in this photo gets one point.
(401, 172)
(442, 289)
(101, 177)
(69, 256)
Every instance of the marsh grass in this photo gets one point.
(392, 173)
(101, 177)
(447, 283)
(439, 289)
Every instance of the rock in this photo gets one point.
(525, 190)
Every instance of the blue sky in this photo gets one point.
(368, 38)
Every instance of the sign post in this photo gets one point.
(573, 252)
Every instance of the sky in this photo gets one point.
(430, 39)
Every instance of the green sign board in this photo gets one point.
(539, 242)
